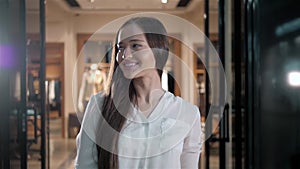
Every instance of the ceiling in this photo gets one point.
(82, 6)
(94, 6)
(125, 4)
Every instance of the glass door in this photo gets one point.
(13, 128)
(274, 84)
(224, 147)
(21, 51)
(37, 126)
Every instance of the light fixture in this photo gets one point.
(288, 27)
(294, 78)
(164, 1)
(92, 1)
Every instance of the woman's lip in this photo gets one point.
(129, 63)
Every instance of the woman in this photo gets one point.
(136, 124)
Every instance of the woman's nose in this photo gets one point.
(127, 53)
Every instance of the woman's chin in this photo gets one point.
(129, 75)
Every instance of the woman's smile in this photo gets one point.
(129, 65)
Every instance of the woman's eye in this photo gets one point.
(136, 46)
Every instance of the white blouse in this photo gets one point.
(170, 138)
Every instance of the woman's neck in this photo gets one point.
(148, 92)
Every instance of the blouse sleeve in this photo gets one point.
(192, 145)
(87, 155)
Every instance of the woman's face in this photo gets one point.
(134, 55)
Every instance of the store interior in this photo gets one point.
(74, 70)
(63, 59)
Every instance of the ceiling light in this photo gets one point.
(164, 1)
(92, 1)
(288, 27)
(294, 78)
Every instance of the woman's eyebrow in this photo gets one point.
(132, 40)
(136, 40)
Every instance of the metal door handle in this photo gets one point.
(224, 124)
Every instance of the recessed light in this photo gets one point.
(164, 1)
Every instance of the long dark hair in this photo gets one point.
(116, 96)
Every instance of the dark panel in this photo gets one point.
(207, 89)
(73, 3)
(183, 3)
(276, 107)
(42, 87)
(12, 84)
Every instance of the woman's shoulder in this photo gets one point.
(94, 105)
(93, 116)
(177, 100)
(182, 106)
(183, 114)
(97, 99)
(99, 96)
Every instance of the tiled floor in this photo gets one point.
(62, 151)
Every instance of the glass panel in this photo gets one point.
(12, 103)
(34, 74)
(214, 90)
(277, 68)
(221, 150)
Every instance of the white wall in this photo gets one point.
(59, 28)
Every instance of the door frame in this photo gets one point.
(60, 46)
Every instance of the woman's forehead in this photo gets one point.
(128, 31)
